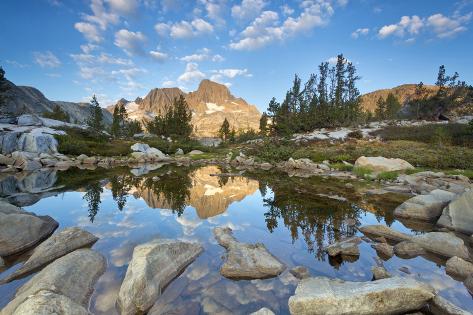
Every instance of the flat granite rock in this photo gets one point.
(347, 246)
(51, 249)
(246, 261)
(72, 276)
(442, 243)
(440, 306)
(47, 302)
(324, 296)
(153, 266)
(425, 207)
(21, 230)
(378, 230)
(458, 215)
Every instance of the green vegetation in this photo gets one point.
(174, 123)
(390, 176)
(342, 167)
(362, 172)
(263, 124)
(121, 125)
(95, 121)
(3, 88)
(448, 134)
(224, 131)
(330, 99)
(387, 109)
(57, 114)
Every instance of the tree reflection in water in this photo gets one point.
(92, 196)
(320, 220)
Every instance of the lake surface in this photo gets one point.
(294, 217)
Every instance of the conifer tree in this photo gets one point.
(393, 106)
(95, 121)
(263, 124)
(224, 131)
(380, 112)
(3, 89)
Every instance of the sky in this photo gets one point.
(72, 49)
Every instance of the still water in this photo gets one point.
(293, 217)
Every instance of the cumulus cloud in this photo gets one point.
(360, 32)
(407, 25)
(191, 73)
(202, 55)
(268, 28)
(46, 59)
(444, 26)
(232, 73)
(92, 24)
(184, 29)
(248, 9)
(130, 42)
(126, 7)
(90, 31)
(158, 55)
(214, 9)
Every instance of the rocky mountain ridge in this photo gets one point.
(210, 104)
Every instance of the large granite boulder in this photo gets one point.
(378, 230)
(72, 276)
(425, 182)
(458, 267)
(153, 266)
(442, 243)
(326, 296)
(53, 248)
(21, 230)
(246, 261)
(140, 147)
(408, 249)
(47, 302)
(382, 164)
(9, 141)
(37, 143)
(425, 207)
(29, 120)
(458, 215)
(440, 306)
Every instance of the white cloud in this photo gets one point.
(130, 42)
(158, 56)
(168, 83)
(214, 9)
(232, 73)
(248, 9)
(126, 7)
(360, 32)
(407, 25)
(103, 58)
(267, 28)
(287, 10)
(333, 60)
(444, 26)
(46, 59)
(90, 31)
(184, 29)
(88, 48)
(191, 73)
(202, 55)
(89, 73)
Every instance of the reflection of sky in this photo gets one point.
(121, 231)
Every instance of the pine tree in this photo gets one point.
(380, 112)
(115, 130)
(3, 89)
(95, 121)
(393, 106)
(263, 124)
(224, 131)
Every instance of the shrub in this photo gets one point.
(388, 176)
(361, 171)
(356, 134)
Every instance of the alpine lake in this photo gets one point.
(294, 217)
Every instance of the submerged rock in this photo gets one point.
(326, 296)
(425, 207)
(458, 215)
(47, 302)
(382, 164)
(54, 247)
(263, 311)
(153, 266)
(408, 249)
(380, 272)
(72, 276)
(300, 272)
(246, 261)
(458, 267)
(21, 230)
(384, 250)
(442, 243)
(377, 230)
(348, 246)
(440, 306)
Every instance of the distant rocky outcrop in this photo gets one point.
(29, 100)
(210, 105)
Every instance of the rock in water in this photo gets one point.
(54, 247)
(377, 230)
(382, 164)
(408, 249)
(384, 250)
(20, 230)
(458, 215)
(440, 306)
(458, 267)
(263, 311)
(153, 266)
(300, 272)
(72, 276)
(246, 261)
(425, 207)
(347, 246)
(326, 296)
(38, 143)
(49, 303)
(445, 244)
(380, 273)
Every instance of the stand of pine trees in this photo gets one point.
(387, 109)
(176, 121)
(121, 125)
(329, 99)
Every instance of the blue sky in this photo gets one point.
(71, 49)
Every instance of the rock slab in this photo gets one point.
(153, 266)
(347, 246)
(382, 164)
(53, 248)
(321, 295)
(458, 215)
(442, 243)
(425, 207)
(246, 261)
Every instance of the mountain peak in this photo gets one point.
(210, 91)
